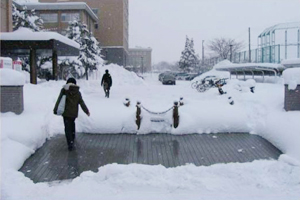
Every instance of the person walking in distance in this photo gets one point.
(73, 99)
(106, 83)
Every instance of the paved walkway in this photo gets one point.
(54, 162)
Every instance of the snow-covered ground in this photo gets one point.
(259, 113)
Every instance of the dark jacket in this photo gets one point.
(73, 99)
(106, 78)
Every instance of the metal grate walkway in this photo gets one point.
(54, 162)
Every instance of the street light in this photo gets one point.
(230, 52)
(106, 55)
(142, 64)
(202, 55)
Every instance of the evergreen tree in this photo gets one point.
(26, 18)
(89, 47)
(188, 60)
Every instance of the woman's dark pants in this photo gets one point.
(70, 130)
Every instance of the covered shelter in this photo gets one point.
(252, 69)
(24, 41)
(291, 63)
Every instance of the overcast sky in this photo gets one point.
(164, 24)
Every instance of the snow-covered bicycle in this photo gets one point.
(208, 82)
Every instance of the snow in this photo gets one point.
(248, 65)
(290, 61)
(291, 77)
(259, 113)
(27, 34)
(10, 77)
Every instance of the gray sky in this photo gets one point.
(164, 24)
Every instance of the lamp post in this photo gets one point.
(202, 56)
(230, 52)
(142, 64)
(106, 55)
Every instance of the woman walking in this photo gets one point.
(70, 113)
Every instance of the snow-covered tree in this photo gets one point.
(188, 60)
(26, 18)
(89, 46)
(70, 67)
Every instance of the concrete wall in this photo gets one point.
(113, 29)
(115, 55)
(113, 20)
(12, 99)
(141, 57)
(292, 99)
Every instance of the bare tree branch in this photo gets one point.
(221, 46)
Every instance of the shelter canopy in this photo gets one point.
(13, 43)
(24, 38)
(251, 68)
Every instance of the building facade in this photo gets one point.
(113, 30)
(140, 58)
(6, 15)
(56, 16)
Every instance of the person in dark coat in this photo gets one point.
(106, 83)
(73, 99)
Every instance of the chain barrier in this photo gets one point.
(139, 106)
(157, 113)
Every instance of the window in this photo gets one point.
(49, 18)
(67, 17)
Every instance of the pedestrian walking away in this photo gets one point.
(73, 98)
(106, 83)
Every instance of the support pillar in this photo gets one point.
(54, 64)
(32, 60)
(298, 43)
(285, 44)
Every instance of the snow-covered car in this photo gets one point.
(181, 76)
(191, 77)
(168, 79)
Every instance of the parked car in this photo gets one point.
(181, 76)
(161, 75)
(168, 79)
(191, 76)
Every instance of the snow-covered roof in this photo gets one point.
(140, 49)
(290, 25)
(249, 67)
(60, 6)
(25, 34)
(291, 62)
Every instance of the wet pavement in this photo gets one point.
(53, 161)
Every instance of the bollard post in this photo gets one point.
(221, 90)
(252, 89)
(181, 101)
(230, 101)
(175, 115)
(127, 102)
(138, 115)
